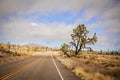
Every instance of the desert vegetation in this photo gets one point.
(80, 38)
(93, 66)
(79, 41)
(90, 64)
(8, 49)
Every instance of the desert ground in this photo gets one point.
(93, 66)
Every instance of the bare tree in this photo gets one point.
(80, 38)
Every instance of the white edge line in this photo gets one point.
(57, 68)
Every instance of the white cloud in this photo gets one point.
(40, 6)
(34, 24)
(48, 6)
(111, 13)
(95, 8)
(24, 29)
(92, 8)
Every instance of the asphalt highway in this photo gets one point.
(36, 68)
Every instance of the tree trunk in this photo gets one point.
(65, 53)
(78, 50)
(76, 53)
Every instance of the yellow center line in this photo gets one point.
(17, 70)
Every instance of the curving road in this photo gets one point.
(36, 68)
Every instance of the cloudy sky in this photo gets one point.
(50, 22)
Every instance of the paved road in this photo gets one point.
(36, 68)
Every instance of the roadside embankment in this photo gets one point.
(93, 66)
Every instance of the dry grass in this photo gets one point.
(93, 66)
(85, 75)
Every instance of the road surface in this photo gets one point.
(36, 68)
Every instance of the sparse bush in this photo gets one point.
(64, 48)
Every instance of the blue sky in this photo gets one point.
(50, 22)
